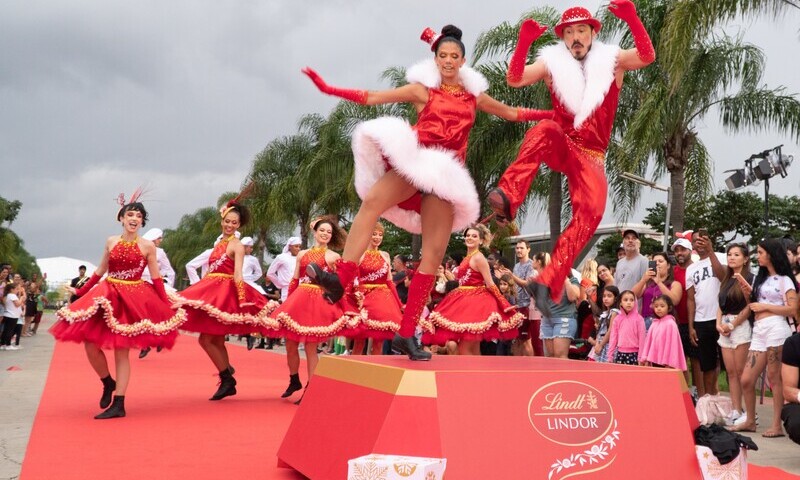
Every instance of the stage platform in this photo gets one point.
(496, 417)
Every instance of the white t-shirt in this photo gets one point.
(700, 276)
(773, 290)
(12, 311)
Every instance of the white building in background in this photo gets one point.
(60, 270)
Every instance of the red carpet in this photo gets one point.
(172, 430)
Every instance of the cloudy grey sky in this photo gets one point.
(97, 98)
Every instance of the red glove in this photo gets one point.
(88, 285)
(501, 300)
(531, 115)
(357, 96)
(529, 31)
(393, 289)
(625, 10)
(158, 285)
(293, 286)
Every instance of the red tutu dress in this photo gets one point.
(217, 306)
(122, 311)
(306, 316)
(430, 155)
(471, 312)
(381, 314)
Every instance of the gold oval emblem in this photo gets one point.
(570, 413)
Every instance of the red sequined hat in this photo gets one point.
(430, 37)
(576, 15)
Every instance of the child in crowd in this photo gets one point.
(610, 309)
(508, 288)
(627, 332)
(662, 346)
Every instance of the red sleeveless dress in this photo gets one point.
(431, 156)
(213, 305)
(306, 316)
(381, 314)
(122, 311)
(470, 312)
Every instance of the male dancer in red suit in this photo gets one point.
(584, 77)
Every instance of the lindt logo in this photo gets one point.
(570, 413)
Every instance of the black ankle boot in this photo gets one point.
(227, 385)
(117, 409)
(328, 281)
(109, 385)
(540, 295)
(294, 385)
(410, 347)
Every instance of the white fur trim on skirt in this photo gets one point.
(431, 170)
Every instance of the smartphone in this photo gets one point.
(702, 232)
(651, 265)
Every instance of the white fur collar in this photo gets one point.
(426, 73)
(581, 86)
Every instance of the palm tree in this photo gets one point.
(195, 232)
(690, 22)
(659, 111)
(495, 142)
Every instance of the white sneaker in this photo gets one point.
(2, 347)
(731, 419)
(12, 347)
(743, 419)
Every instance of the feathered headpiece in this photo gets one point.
(246, 192)
(135, 196)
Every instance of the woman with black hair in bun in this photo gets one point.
(414, 176)
(123, 311)
(305, 316)
(221, 303)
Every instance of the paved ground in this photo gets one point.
(23, 374)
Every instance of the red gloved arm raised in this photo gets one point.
(625, 10)
(357, 96)
(529, 31)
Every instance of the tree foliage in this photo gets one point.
(737, 216)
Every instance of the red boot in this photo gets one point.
(418, 292)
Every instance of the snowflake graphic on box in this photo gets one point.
(370, 471)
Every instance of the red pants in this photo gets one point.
(585, 172)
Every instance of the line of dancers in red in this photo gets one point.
(411, 175)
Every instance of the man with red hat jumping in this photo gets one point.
(584, 77)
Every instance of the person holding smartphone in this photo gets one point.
(658, 280)
(703, 279)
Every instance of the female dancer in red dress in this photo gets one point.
(415, 176)
(123, 311)
(306, 317)
(381, 306)
(222, 303)
(476, 310)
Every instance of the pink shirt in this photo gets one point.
(627, 334)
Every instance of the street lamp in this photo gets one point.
(647, 183)
(770, 163)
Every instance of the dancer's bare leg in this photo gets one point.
(97, 359)
(123, 367)
(437, 224)
(387, 192)
(293, 356)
